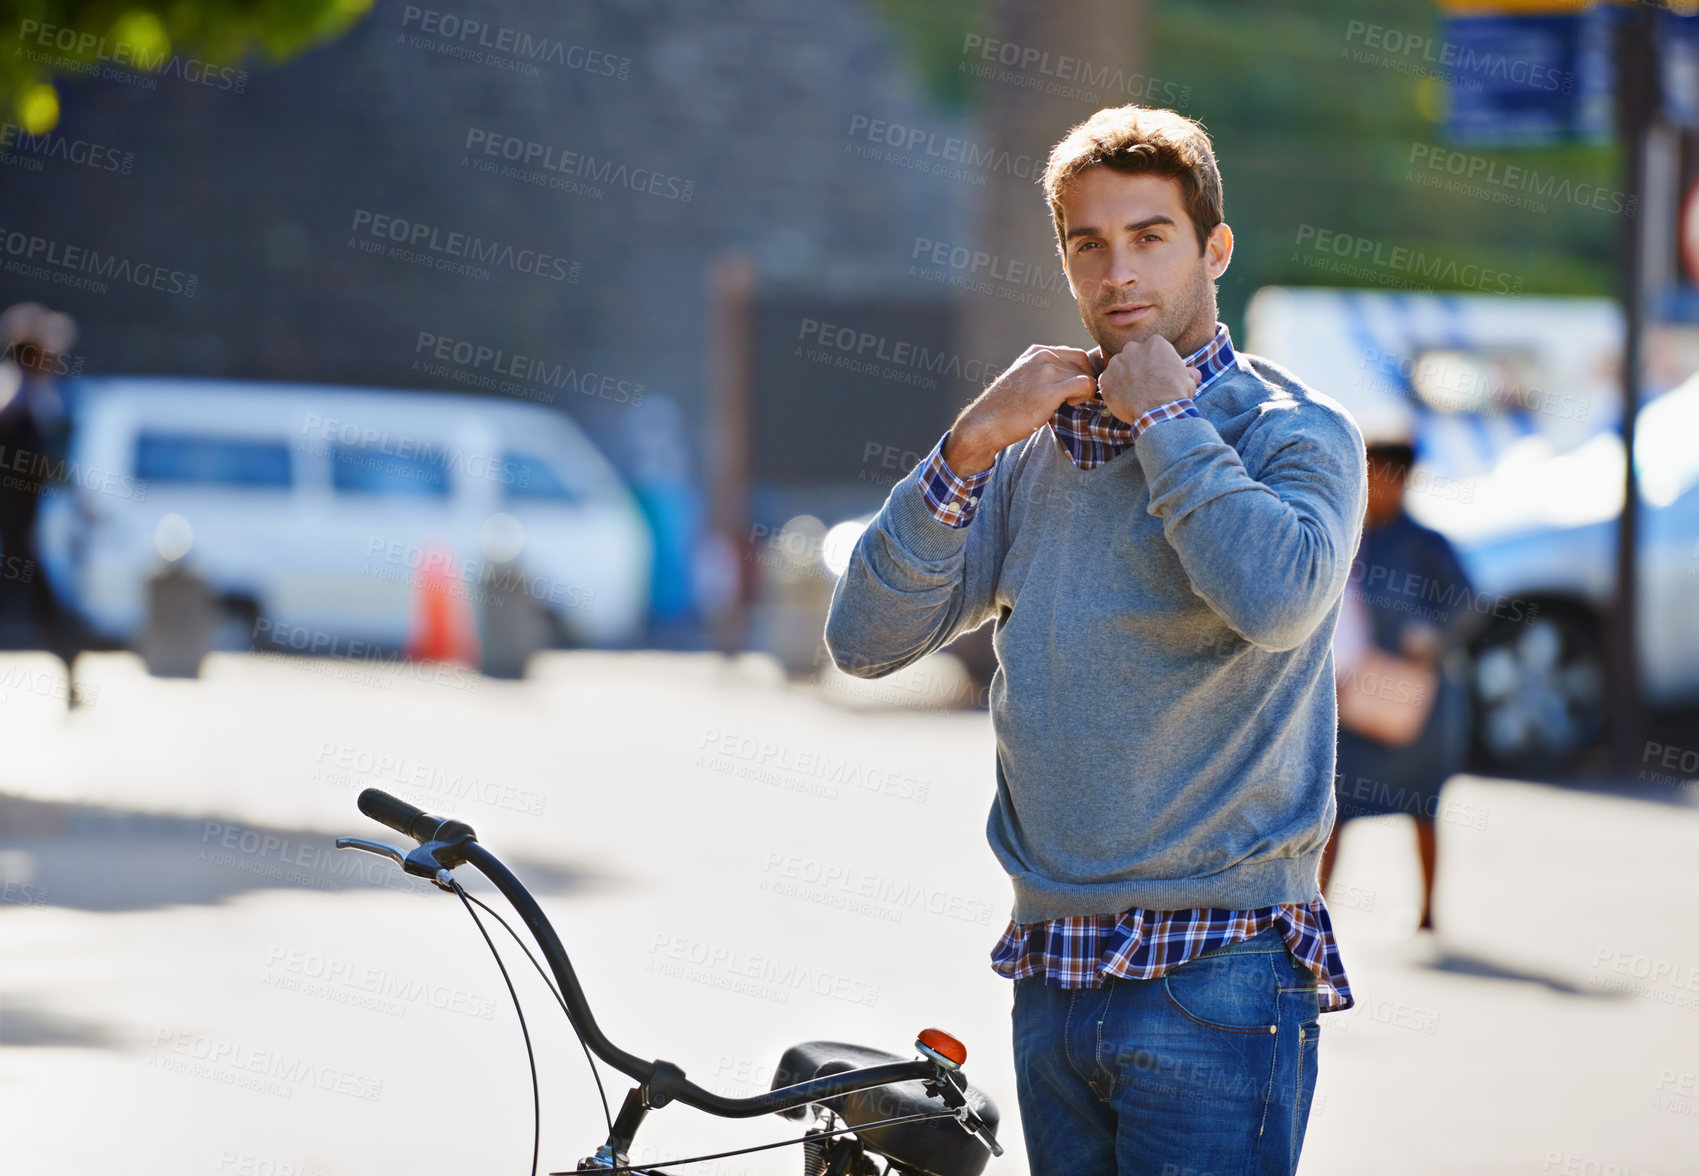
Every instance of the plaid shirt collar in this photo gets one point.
(1092, 436)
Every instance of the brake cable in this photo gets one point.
(607, 1116)
(531, 1058)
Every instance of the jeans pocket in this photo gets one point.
(1236, 992)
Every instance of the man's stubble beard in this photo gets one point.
(1174, 322)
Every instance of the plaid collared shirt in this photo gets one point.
(1089, 433)
(1136, 944)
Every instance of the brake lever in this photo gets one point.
(419, 862)
(377, 847)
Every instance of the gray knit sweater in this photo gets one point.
(1163, 702)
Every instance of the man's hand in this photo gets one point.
(1017, 404)
(1144, 374)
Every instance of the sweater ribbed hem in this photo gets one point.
(1271, 882)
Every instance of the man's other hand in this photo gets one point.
(1144, 374)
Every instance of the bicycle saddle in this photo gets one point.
(936, 1147)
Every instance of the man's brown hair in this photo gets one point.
(1136, 139)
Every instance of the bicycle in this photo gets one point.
(889, 1106)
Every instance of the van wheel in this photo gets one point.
(1539, 689)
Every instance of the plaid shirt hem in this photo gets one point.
(951, 499)
(1139, 944)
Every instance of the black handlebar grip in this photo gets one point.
(397, 814)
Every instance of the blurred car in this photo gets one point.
(317, 510)
(1540, 664)
(1514, 407)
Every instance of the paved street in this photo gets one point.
(195, 983)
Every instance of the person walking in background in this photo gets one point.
(1160, 530)
(1403, 710)
(32, 446)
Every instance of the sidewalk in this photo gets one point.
(195, 982)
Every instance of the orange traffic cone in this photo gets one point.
(443, 628)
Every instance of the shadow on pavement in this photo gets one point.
(92, 858)
(28, 1026)
(1458, 963)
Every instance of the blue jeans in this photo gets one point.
(1207, 1071)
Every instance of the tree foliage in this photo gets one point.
(54, 40)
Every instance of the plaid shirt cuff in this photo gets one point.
(952, 500)
(1173, 410)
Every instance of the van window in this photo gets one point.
(200, 459)
(533, 480)
(358, 470)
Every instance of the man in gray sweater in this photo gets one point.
(1160, 529)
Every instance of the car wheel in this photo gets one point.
(1539, 689)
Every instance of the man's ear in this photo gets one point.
(1218, 250)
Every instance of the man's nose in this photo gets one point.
(1122, 271)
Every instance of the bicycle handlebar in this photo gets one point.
(664, 1080)
(397, 814)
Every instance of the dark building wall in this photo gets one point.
(257, 194)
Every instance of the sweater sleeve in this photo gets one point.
(1269, 552)
(915, 582)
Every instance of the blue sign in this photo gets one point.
(1528, 79)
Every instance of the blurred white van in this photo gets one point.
(313, 509)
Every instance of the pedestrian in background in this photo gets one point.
(1403, 705)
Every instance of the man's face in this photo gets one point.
(1132, 260)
